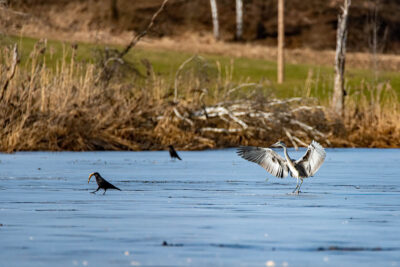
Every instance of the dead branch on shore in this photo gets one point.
(242, 119)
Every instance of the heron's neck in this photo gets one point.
(287, 155)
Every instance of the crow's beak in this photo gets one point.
(90, 176)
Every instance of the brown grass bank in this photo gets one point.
(77, 106)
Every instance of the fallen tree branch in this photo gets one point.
(238, 87)
(257, 119)
(286, 101)
(299, 141)
(307, 128)
(183, 118)
(237, 120)
(220, 112)
(291, 139)
(306, 108)
(220, 130)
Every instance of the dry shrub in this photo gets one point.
(67, 109)
(372, 116)
(72, 107)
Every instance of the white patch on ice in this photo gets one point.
(270, 264)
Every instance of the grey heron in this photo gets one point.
(280, 167)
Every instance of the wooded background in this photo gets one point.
(310, 24)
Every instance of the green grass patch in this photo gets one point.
(300, 79)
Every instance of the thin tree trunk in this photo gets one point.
(137, 38)
(214, 14)
(11, 72)
(340, 60)
(239, 19)
(281, 40)
(114, 10)
(374, 24)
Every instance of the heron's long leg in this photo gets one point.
(104, 191)
(298, 190)
(297, 186)
(98, 188)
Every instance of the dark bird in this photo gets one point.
(173, 153)
(280, 167)
(102, 183)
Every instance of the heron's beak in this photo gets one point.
(275, 145)
(90, 176)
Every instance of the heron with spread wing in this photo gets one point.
(280, 167)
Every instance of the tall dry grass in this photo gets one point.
(372, 116)
(73, 107)
(66, 108)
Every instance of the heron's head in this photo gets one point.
(95, 175)
(279, 144)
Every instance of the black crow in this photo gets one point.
(102, 183)
(173, 153)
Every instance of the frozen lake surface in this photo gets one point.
(212, 209)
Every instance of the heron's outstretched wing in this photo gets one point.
(266, 158)
(312, 159)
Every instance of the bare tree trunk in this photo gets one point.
(114, 10)
(11, 71)
(214, 15)
(340, 60)
(373, 40)
(281, 40)
(239, 19)
(137, 38)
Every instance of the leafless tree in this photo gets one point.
(239, 19)
(11, 71)
(374, 27)
(113, 59)
(281, 40)
(214, 15)
(114, 9)
(340, 60)
(138, 37)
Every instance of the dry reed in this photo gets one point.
(372, 116)
(68, 107)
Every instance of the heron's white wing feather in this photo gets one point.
(313, 158)
(266, 158)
